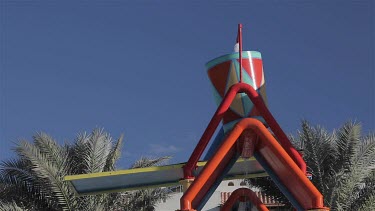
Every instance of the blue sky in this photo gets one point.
(138, 67)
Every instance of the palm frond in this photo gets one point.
(10, 206)
(114, 155)
(361, 169)
(365, 154)
(318, 152)
(96, 151)
(365, 193)
(50, 149)
(354, 166)
(148, 162)
(15, 170)
(295, 142)
(77, 154)
(369, 204)
(347, 140)
(47, 173)
(21, 185)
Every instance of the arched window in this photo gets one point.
(230, 184)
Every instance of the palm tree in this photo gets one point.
(342, 164)
(34, 180)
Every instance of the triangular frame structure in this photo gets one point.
(281, 160)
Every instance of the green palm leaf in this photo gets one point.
(11, 206)
(95, 149)
(148, 162)
(49, 148)
(318, 152)
(49, 174)
(114, 155)
(347, 141)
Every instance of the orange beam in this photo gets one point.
(224, 106)
(238, 194)
(279, 161)
(216, 173)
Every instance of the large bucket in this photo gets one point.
(224, 72)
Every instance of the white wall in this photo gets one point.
(213, 204)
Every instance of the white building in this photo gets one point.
(218, 198)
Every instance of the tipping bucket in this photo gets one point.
(224, 72)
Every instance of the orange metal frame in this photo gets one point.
(242, 194)
(215, 121)
(272, 152)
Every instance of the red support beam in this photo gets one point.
(215, 121)
(306, 194)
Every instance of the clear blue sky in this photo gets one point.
(138, 68)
